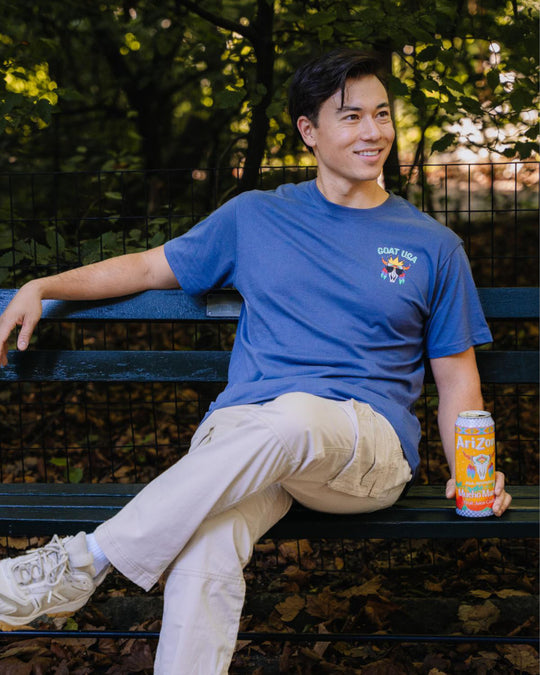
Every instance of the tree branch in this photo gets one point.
(222, 22)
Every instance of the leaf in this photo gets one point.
(520, 99)
(453, 85)
(481, 594)
(443, 143)
(16, 667)
(523, 657)
(75, 474)
(383, 667)
(493, 78)
(230, 98)
(379, 610)
(319, 19)
(525, 150)
(293, 550)
(510, 593)
(327, 605)
(71, 624)
(291, 607)
(294, 573)
(471, 105)
(371, 587)
(429, 85)
(434, 586)
(397, 86)
(478, 618)
(429, 53)
(157, 239)
(325, 33)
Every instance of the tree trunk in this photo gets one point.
(264, 52)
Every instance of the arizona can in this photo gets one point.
(475, 463)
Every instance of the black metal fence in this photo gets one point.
(97, 432)
(52, 221)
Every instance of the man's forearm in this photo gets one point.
(449, 408)
(115, 277)
(111, 278)
(458, 384)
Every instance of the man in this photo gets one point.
(346, 288)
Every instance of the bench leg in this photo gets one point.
(205, 588)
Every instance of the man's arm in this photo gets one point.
(458, 385)
(111, 278)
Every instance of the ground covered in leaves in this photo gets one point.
(470, 588)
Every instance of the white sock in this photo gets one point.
(100, 559)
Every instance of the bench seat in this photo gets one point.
(67, 508)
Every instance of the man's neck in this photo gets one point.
(361, 195)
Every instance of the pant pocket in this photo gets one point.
(377, 465)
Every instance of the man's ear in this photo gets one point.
(307, 130)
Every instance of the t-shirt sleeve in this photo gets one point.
(205, 257)
(456, 321)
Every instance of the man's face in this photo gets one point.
(351, 141)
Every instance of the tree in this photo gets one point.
(187, 84)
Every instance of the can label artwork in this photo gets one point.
(475, 464)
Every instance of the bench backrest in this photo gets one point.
(512, 366)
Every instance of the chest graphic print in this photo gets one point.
(396, 262)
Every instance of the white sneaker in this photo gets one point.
(57, 578)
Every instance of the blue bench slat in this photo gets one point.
(43, 509)
(116, 366)
(168, 305)
(176, 305)
(510, 303)
(201, 366)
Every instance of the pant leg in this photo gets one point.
(216, 495)
(205, 588)
(372, 478)
(237, 452)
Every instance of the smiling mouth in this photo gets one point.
(368, 153)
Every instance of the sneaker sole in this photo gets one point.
(65, 610)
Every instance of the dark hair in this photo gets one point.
(320, 78)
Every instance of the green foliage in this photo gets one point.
(27, 93)
(181, 84)
(73, 474)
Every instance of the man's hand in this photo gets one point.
(502, 498)
(112, 278)
(25, 311)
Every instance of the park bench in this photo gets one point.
(43, 509)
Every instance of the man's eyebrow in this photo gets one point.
(357, 108)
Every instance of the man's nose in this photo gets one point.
(369, 129)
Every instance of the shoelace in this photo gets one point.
(45, 565)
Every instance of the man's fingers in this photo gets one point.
(451, 488)
(25, 333)
(24, 311)
(499, 482)
(5, 331)
(501, 503)
(502, 498)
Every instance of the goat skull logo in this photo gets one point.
(394, 269)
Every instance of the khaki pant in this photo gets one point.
(198, 521)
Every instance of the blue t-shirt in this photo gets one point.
(338, 302)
